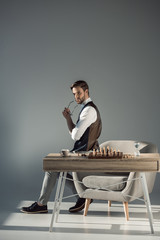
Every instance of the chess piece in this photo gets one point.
(100, 150)
(94, 152)
(111, 152)
(104, 151)
(107, 150)
(114, 153)
(118, 153)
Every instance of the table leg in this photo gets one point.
(147, 199)
(61, 195)
(56, 201)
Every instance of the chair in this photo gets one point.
(119, 189)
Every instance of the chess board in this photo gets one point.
(106, 153)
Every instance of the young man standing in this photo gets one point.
(85, 133)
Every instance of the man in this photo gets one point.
(85, 133)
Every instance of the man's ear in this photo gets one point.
(87, 91)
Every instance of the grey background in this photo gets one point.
(46, 46)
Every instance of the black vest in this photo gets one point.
(89, 139)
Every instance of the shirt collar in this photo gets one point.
(86, 101)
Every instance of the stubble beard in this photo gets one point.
(81, 100)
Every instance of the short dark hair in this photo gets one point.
(80, 83)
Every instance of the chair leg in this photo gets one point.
(87, 203)
(109, 204)
(125, 204)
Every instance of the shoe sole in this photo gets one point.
(45, 211)
(78, 209)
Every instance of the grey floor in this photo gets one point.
(98, 224)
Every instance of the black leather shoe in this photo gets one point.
(35, 208)
(80, 204)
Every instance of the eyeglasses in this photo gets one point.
(73, 108)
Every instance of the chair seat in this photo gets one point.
(114, 183)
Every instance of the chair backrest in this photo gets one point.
(134, 188)
(127, 146)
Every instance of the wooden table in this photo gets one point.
(77, 163)
(148, 162)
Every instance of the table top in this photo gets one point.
(147, 162)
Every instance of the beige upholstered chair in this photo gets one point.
(118, 189)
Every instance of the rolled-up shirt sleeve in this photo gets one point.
(87, 117)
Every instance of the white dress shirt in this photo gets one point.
(87, 117)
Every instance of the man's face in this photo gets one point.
(79, 94)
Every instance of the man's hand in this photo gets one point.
(66, 113)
